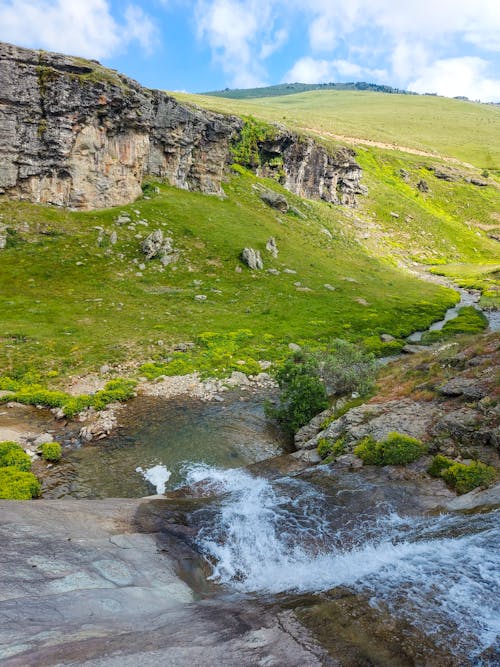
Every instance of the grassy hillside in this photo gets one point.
(71, 300)
(464, 130)
(454, 224)
(69, 304)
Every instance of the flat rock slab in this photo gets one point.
(79, 585)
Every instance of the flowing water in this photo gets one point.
(467, 298)
(312, 534)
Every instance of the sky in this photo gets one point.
(448, 47)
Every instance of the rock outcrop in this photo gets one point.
(310, 171)
(75, 134)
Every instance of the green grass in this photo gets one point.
(69, 305)
(464, 130)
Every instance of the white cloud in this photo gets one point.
(313, 70)
(458, 76)
(241, 34)
(74, 27)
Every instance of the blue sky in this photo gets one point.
(450, 47)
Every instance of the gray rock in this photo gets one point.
(152, 245)
(200, 297)
(42, 439)
(404, 175)
(445, 174)
(348, 461)
(476, 498)
(477, 181)
(466, 387)
(298, 213)
(252, 259)
(394, 215)
(271, 247)
(414, 349)
(423, 186)
(275, 200)
(64, 120)
(329, 287)
(386, 338)
(290, 271)
(294, 347)
(113, 238)
(273, 272)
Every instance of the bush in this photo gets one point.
(246, 151)
(13, 455)
(328, 448)
(346, 368)
(51, 451)
(439, 464)
(399, 449)
(460, 476)
(369, 451)
(115, 390)
(396, 449)
(302, 396)
(464, 478)
(17, 484)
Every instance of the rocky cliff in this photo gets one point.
(73, 133)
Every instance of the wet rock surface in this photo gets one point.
(84, 583)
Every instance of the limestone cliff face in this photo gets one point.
(73, 133)
(311, 171)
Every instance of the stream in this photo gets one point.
(326, 528)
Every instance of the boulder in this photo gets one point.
(271, 247)
(252, 259)
(423, 186)
(467, 387)
(275, 200)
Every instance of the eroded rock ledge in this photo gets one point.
(73, 133)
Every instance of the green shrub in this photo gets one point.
(379, 348)
(464, 478)
(51, 451)
(439, 464)
(396, 449)
(345, 368)
(13, 455)
(399, 449)
(369, 451)
(246, 151)
(76, 404)
(328, 448)
(152, 370)
(302, 394)
(17, 484)
(461, 477)
(115, 390)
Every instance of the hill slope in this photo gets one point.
(77, 290)
(292, 88)
(466, 131)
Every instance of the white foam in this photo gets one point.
(158, 476)
(274, 537)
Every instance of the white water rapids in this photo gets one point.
(440, 572)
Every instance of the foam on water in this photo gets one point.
(158, 476)
(270, 537)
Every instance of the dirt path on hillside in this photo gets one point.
(391, 147)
